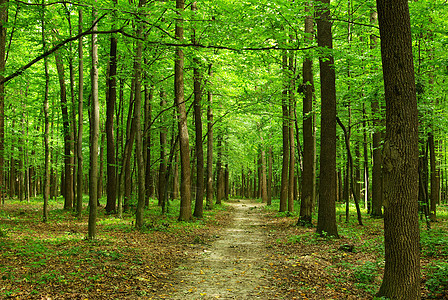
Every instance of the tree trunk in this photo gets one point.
(285, 133)
(111, 188)
(163, 145)
(309, 167)
(435, 179)
(185, 193)
(137, 126)
(94, 136)
(198, 208)
(147, 143)
(269, 184)
(400, 154)
(326, 222)
(209, 187)
(68, 136)
(3, 21)
(264, 184)
(79, 185)
(46, 188)
(219, 173)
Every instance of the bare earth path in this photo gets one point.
(234, 266)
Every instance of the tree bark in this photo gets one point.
(435, 179)
(292, 159)
(209, 187)
(3, 21)
(46, 187)
(79, 185)
(68, 136)
(400, 154)
(137, 126)
(111, 99)
(285, 133)
(94, 136)
(163, 145)
(326, 222)
(147, 143)
(377, 182)
(185, 193)
(309, 167)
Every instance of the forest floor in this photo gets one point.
(240, 250)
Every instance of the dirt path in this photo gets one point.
(234, 266)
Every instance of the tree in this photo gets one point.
(326, 222)
(209, 187)
(309, 166)
(285, 134)
(185, 194)
(94, 135)
(3, 21)
(110, 110)
(198, 208)
(79, 185)
(400, 154)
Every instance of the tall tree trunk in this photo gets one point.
(185, 194)
(79, 185)
(219, 170)
(46, 187)
(326, 222)
(111, 189)
(94, 135)
(209, 187)
(264, 184)
(435, 179)
(68, 136)
(377, 182)
(400, 154)
(163, 145)
(285, 133)
(198, 208)
(292, 150)
(147, 143)
(137, 127)
(3, 21)
(127, 153)
(309, 166)
(269, 184)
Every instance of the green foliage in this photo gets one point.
(434, 242)
(437, 279)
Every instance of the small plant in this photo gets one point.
(366, 272)
(437, 282)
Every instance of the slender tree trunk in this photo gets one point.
(198, 208)
(111, 79)
(163, 146)
(219, 171)
(137, 127)
(3, 21)
(309, 167)
(400, 154)
(264, 184)
(46, 188)
(79, 185)
(285, 133)
(68, 137)
(185, 194)
(269, 184)
(377, 182)
(435, 179)
(326, 222)
(94, 136)
(209, 187)
(147, 144)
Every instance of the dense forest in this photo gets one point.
(111, 107)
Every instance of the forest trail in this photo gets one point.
(233, 267)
